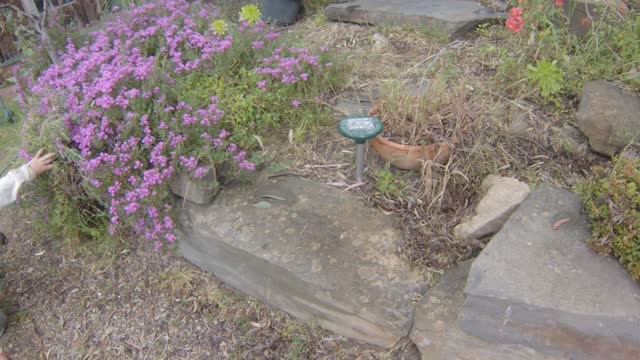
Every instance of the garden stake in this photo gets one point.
(360, 128)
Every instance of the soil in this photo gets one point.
(9, 92)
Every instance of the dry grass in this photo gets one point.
(494, 128)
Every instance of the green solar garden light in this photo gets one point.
(360, 128)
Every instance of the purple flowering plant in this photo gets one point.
(155, 91)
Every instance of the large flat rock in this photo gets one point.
(545, 288)
(310, 250)
(436, 332)
(450, 16)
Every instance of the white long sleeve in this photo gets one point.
(10, 184)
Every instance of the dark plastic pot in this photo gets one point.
(282, 12)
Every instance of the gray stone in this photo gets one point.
(353, 107)
(317, 253)
(520, 124)
(201, 191)
(497, 5)
(437, 311)
(450, 16)
(546, 289)
(503, 196)
(435, 329)
(581, 12)
(380, 43)
(609, 117)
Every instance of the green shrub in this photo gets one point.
(612, 203)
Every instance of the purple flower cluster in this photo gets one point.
(132, 137)
(290, 65)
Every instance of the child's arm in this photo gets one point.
(10, 184)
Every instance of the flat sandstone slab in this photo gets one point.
(311, 250)
(450, 16)
(436, 333)
(546, 289)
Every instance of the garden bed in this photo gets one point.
(495, 115)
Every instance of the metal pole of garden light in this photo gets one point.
(360, 161)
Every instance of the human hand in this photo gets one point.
(40, 164)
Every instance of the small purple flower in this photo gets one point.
(295, 103)
(223, 134)
(272, 36)
(199, 173)
(113, 189)
(168, 223)
(131, 208)
(24, 155)
(188, 163)
(247, 165)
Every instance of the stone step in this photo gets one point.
(311, 250)
(541, 287)
(436, 332)
(448, 16)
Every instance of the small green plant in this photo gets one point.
(250, 14)
(386, 182)
(298, 349)
(612, 203)
(316, 6)
(484, 30)
(547, 77)
(219, 27)
(319, 19)
(278, 166)
(298, 335)
(23, 315)
(435, 32)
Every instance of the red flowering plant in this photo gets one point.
(161, 88)
(556, 60)
(538, 14)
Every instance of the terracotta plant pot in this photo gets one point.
(410, 157)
